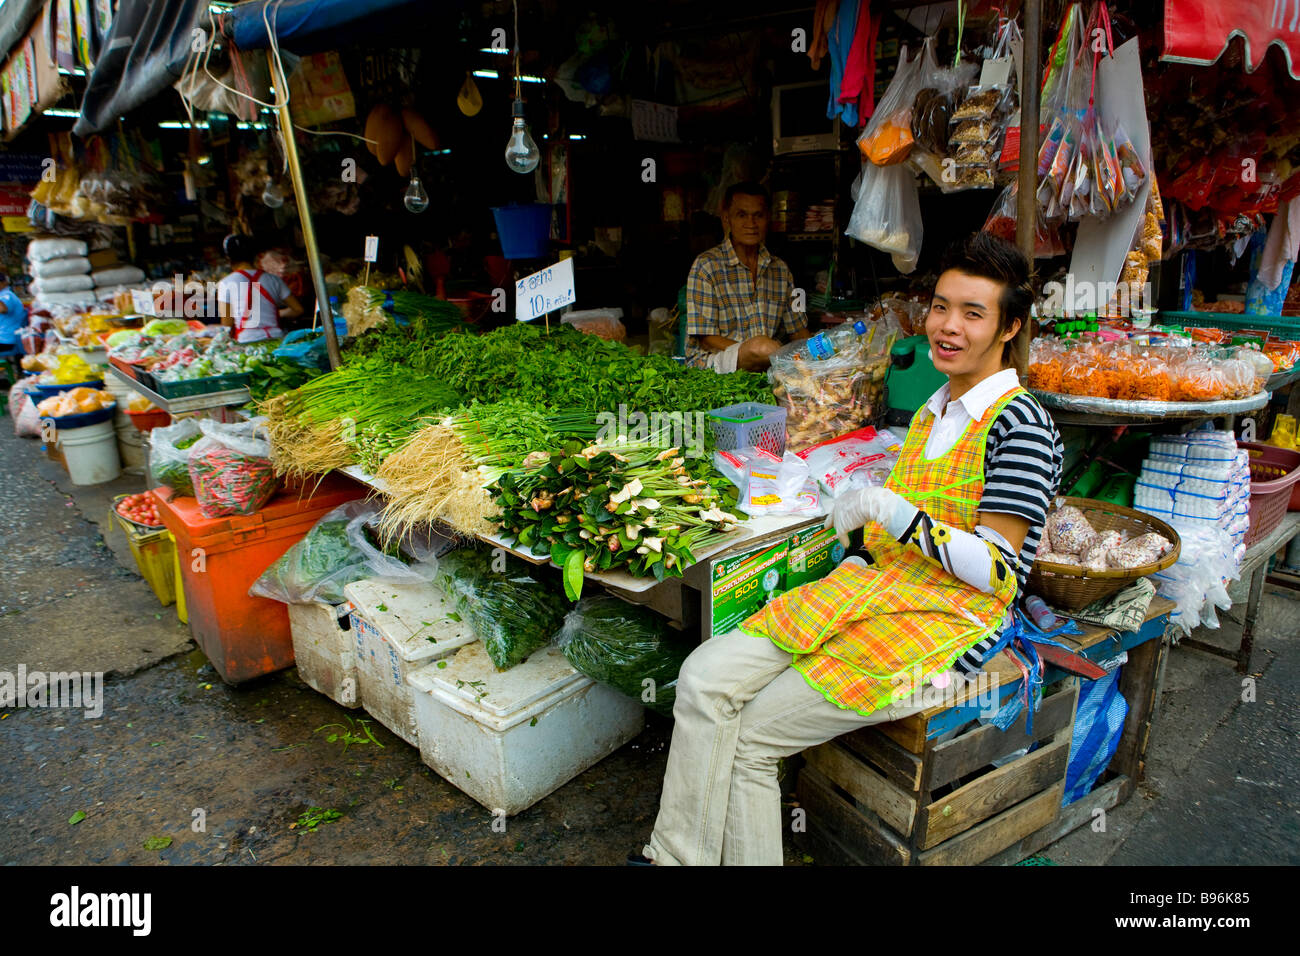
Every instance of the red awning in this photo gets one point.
(1198, 31)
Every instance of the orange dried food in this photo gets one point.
(891, 142)
(1081, 378)
(1046, 376)
(1200, 382)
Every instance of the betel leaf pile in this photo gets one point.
(607, 507)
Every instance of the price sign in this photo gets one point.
(372, 248)
(544, 291)
(142, 302)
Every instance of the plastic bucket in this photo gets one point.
(130, 446)
(525, 230)
(90, 453)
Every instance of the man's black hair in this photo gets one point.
(4, 278)
(747, 188)
(239, 247)
(985, 256)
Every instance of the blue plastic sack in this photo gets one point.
(1098, 725)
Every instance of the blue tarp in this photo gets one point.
(310, 26)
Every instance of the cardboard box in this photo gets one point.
(814, 553)
(742, 584)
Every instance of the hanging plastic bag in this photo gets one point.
(340, 548)
(629, 648)
(887, 138)
(169, 452)
(887, 215)
(511, 612)
(230, 468)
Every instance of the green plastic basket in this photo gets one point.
(1283, 326)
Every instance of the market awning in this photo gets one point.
(312, 26)
(144, 54)
(1198, 31)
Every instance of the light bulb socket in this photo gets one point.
(517, 109)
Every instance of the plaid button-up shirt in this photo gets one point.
(723, 298)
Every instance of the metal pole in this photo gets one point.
(1027, 184)
(304, 213)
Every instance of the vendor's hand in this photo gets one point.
(855, 507)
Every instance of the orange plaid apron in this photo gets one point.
(865, 637)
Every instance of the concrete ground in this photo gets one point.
(229, 775)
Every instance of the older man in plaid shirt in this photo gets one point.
(738, 295)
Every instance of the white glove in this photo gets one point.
(855, 507)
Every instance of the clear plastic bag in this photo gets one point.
(630, 648)
(887, 215)
(230, 469)
(1200, 380)
(339, 549)
(827, 397)
(768, 485)
(861, 458)
(169, 453)
(887, 138)
(511, 612)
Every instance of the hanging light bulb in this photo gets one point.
(521, 152)
(273, 194)
(415, 198)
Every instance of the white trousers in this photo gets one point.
(740, 708)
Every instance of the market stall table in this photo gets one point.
(665, 596)
(1254, 569)
(900, 794)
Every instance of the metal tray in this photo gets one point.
(1119, 408)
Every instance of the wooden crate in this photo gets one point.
(892, 794)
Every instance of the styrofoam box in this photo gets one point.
(324, 652)
(509, 738)
(398, 628)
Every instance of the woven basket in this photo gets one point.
(1071, 588)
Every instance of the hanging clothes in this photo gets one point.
(858, 634)
(840, 40)
(859, 84)
(823, 18)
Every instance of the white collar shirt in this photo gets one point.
(952, 418)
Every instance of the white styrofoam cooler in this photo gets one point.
(509, 738)
(324, 652)
(398, 628)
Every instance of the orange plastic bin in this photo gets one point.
(220, 558)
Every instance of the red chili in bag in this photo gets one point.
(227, 482)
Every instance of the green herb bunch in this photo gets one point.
(603, 507)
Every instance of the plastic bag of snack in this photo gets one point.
(1046, 364)
(1081, 376)
(1069, 530)
(1199, 380)
(887, 138)
(1132, 170)
(1260, 364)
(980, 103)
(1238, 378)
(827, 397)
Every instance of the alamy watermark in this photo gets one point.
(681, 430)
(76, 690)
(943, 689)
(192, 299)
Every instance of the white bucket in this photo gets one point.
(91, 453)
(130, 446)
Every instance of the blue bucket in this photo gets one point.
(525, 230)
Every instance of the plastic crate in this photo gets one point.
(148, 421)
(200, 386)
(1282, 327)
(749, 425)
(154, 550)
(182, 613)
(1273, 474)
